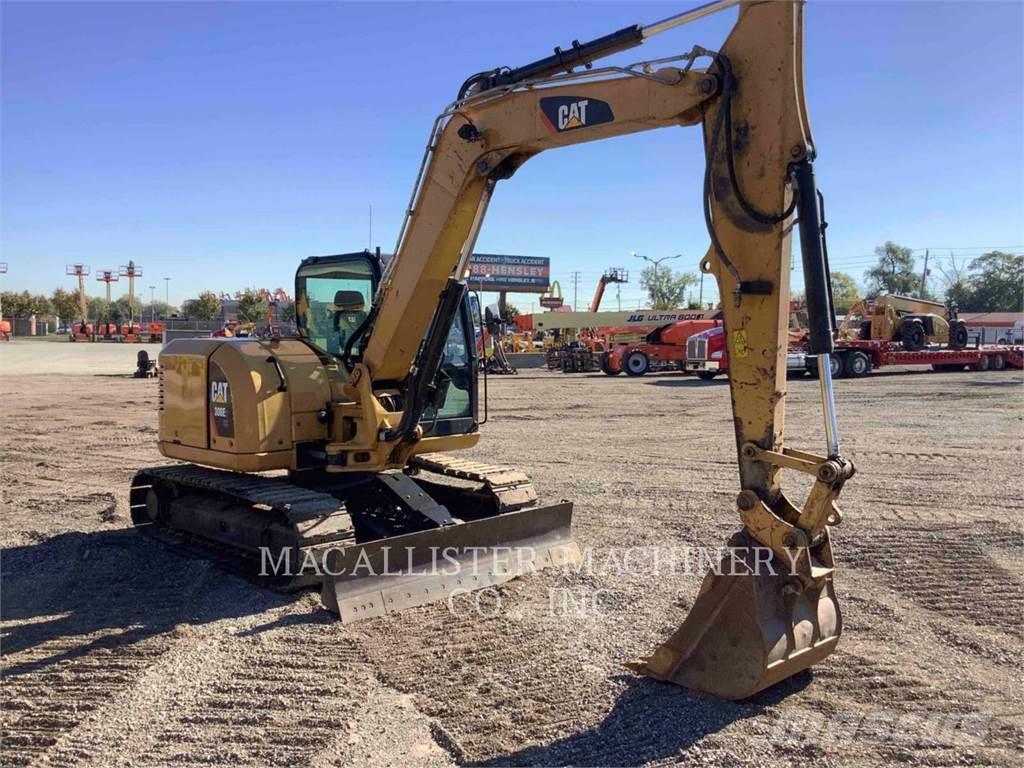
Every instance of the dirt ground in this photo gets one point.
(118, 653)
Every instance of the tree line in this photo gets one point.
(992, 282)
(252, 307)
(64, 305)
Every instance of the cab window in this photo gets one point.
(332, 301)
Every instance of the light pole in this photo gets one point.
(656, 263)
(167, 291)
(152, 305)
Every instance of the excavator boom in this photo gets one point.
(750, 104)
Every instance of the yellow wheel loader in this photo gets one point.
(331, 457)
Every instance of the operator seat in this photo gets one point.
(348, 313)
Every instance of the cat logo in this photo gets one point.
(221, 409)
(567, 113)
(573, 115)
(219, 392)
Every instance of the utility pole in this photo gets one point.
(167, 291)
(701, 299)
(3, 271)
(924, 274)
(575, 288)
(152, 304)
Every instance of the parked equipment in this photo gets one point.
(661, 350)
(108, 332)
(914, 323)
(81, 330)
(131, 332)
(365, 431)
(144, 367)
(856, 359)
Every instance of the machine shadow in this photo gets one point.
(687, 381)
(81, 592)
(649, 721)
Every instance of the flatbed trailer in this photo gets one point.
(856, 358)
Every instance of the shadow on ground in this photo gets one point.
(687, 381)
(649, 721)
(78, 592)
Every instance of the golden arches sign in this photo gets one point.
(553, 298)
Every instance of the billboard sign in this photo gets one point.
(515, 274)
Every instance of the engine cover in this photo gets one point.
(241, 404)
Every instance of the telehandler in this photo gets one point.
(364, 408)
(913, 322)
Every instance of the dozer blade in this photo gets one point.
(749, 629)
(390, 575)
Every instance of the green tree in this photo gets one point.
(997, 282)
(65, 305)
(158, 310)
(894, 272)
(665, 288)
(126, 310)
(993, 282)
(251, 306)
(205, 307)
(99, 309)
(844, 292)
(24, 304)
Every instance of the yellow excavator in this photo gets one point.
(360, 415)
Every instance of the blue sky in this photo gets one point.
(220, 143)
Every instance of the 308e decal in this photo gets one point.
(566, 113)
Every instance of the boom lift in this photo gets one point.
(362, 408)
(612, 275)
(82, 330)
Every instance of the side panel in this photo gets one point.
(246, 385)
(184, 391)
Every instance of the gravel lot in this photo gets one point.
(116, 652)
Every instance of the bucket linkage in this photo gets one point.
(769, 610)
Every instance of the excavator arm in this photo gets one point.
(744, 633)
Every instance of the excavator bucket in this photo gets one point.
(390, 575)
(750, 627)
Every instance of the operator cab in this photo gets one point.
(333, 299)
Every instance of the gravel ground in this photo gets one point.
(118, 653)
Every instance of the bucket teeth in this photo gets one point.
(748, 629)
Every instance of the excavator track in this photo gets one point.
(511, 487)
(230, 518)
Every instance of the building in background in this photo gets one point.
(992, 327)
